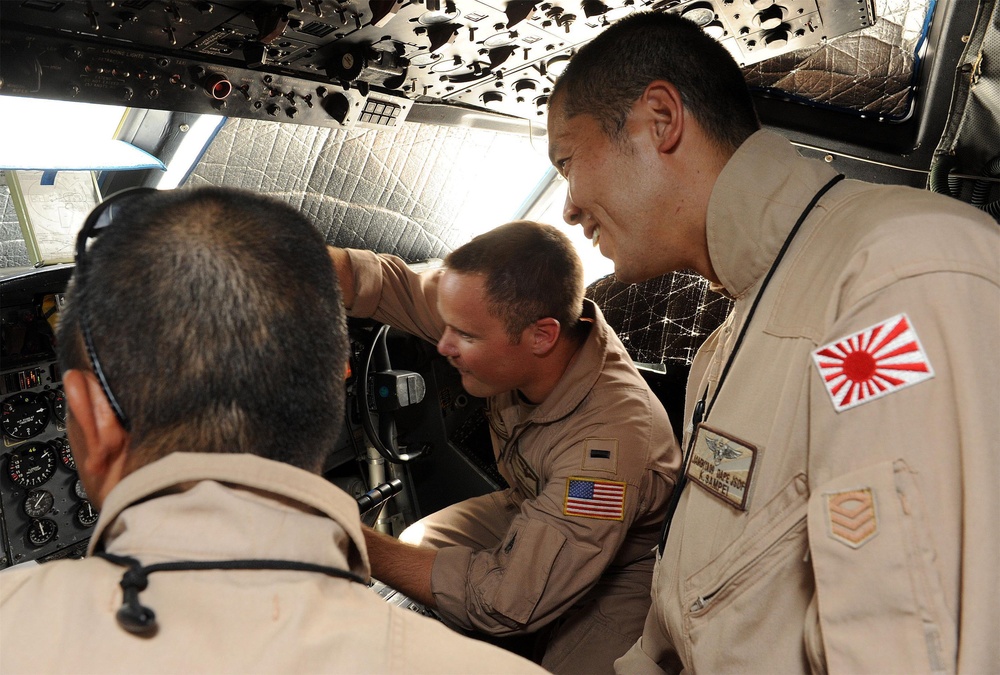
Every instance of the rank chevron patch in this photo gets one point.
(853, 520)
(872, 363)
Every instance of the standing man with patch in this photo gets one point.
(838, 502)
(586, 447)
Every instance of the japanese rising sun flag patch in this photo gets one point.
(877, 361)
(594, 498)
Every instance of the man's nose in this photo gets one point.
(572, 213)
(446, 345)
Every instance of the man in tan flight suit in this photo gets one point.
(840, 507)
(585, 446)
(220, 548)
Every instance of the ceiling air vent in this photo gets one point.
(317, 29)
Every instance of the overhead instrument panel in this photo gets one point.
(362, 62)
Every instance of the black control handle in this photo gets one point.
(379, 494)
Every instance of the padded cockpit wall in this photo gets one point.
(417, 191)
(13, 252)
(870, 71)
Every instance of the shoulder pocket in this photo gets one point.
(879, 595)
(526, 557)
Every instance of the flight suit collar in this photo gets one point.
(510, 419)
(756, 200)
(203, 501)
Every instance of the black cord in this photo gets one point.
(700, 410)
(138, 619)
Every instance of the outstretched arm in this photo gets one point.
(405, 567)
(345, 273)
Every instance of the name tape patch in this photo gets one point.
(594, 498)
(723, 465)
(872, 363)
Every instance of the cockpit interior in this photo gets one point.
(407, 127)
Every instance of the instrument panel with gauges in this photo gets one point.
(44, 510)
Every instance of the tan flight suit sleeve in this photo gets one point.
(915, 475)
(388, 291)
(548, 560)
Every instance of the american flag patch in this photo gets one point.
(594, 498)
(872, 363)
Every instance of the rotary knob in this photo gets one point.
(770, 18)
(337, 106)
(777, 38)
(492, 99)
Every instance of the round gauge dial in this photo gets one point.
(41, 532)
(58, 400)
(32, 464)
(24, 415)
(61, 446)
(86, 515)
(38, 503)
(78, 489)
(700, 14)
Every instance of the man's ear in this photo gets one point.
(662, 103)
(101, 447)
(544, 335)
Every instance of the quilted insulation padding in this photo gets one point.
(418, 191)
(13, 252)
(868, 71)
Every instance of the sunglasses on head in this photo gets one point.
(100, 218)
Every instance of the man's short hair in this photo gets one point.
(219, 324)
(531, 272)
(607, 76)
